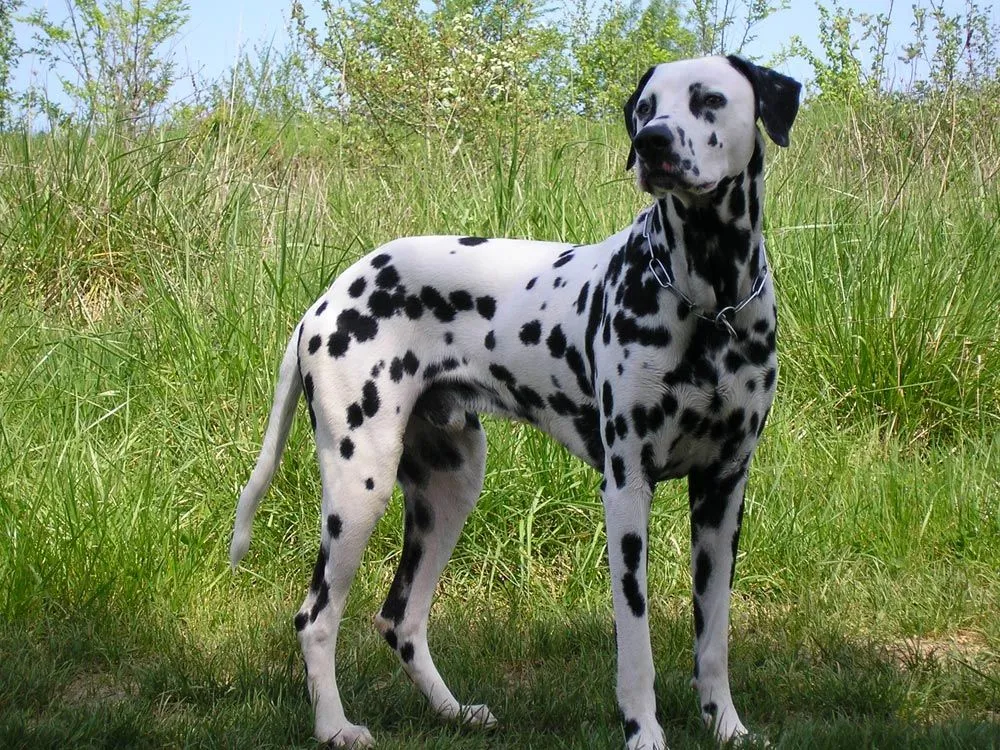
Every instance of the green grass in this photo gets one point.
(147, 293)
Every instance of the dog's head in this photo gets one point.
(692, 122)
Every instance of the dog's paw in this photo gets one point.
(350, 736)
(726, 725)
(647, 735)
(477, 716)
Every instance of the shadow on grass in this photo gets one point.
(121, 680)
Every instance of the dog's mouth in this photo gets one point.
(659, 178)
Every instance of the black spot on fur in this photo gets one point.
(413, 307)
(346, 448)
(461, 300)
(390, 638)
(575, 361)
(361, 327)
(581, 301)
(422, 515)
(490, 341)
(437, 304)
(630, 587)
(561, 404)
(315, 343)
(357, 287)
(369, 484)
(471, 241)
(380, 260)
(486, 306)
(410, 363)
(406, 652)
(355, 417)
(556, 342)
(631, 545)
(699, 620)
(300, 621)
(631, 729)
(531, 332)
(337, 344)
(369, 398)
(702, 572)
(618, 470)
(321, 308)
(387, 278)
(530, 284)
(334, 525)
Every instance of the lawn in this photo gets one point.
(147, 292)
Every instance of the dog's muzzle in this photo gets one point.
(662, 165)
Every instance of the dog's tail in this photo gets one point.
(286, 396)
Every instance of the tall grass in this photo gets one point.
(147, 293)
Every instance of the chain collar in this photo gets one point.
(722, 318)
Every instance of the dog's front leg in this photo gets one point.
(716, 499)
(627, 496)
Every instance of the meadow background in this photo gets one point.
(155, 255)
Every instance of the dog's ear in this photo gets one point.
(630, 112)
(777, 97)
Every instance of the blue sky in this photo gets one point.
(218, 29)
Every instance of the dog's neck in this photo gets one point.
(712, 244)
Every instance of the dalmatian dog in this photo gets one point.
(649, 355)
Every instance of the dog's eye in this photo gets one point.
(643, 108)
(714, 100)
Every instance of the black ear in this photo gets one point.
(630, 111)
(777, 97)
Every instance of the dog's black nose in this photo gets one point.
(655, 143)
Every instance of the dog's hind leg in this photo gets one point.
(356, 472)
(441, 473)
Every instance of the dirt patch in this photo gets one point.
(965, 646)
(97, 688)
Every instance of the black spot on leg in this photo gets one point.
(390, 638)
(334, 525)
(699, 620)
(631, 728)
(346, 448)
(406, 652)
(710, 709)
(632, 554)
(369, 484)
(422, 515)
(319, 586)
(355, 417)
(702, 572)
(300, 621)
(618, 471)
